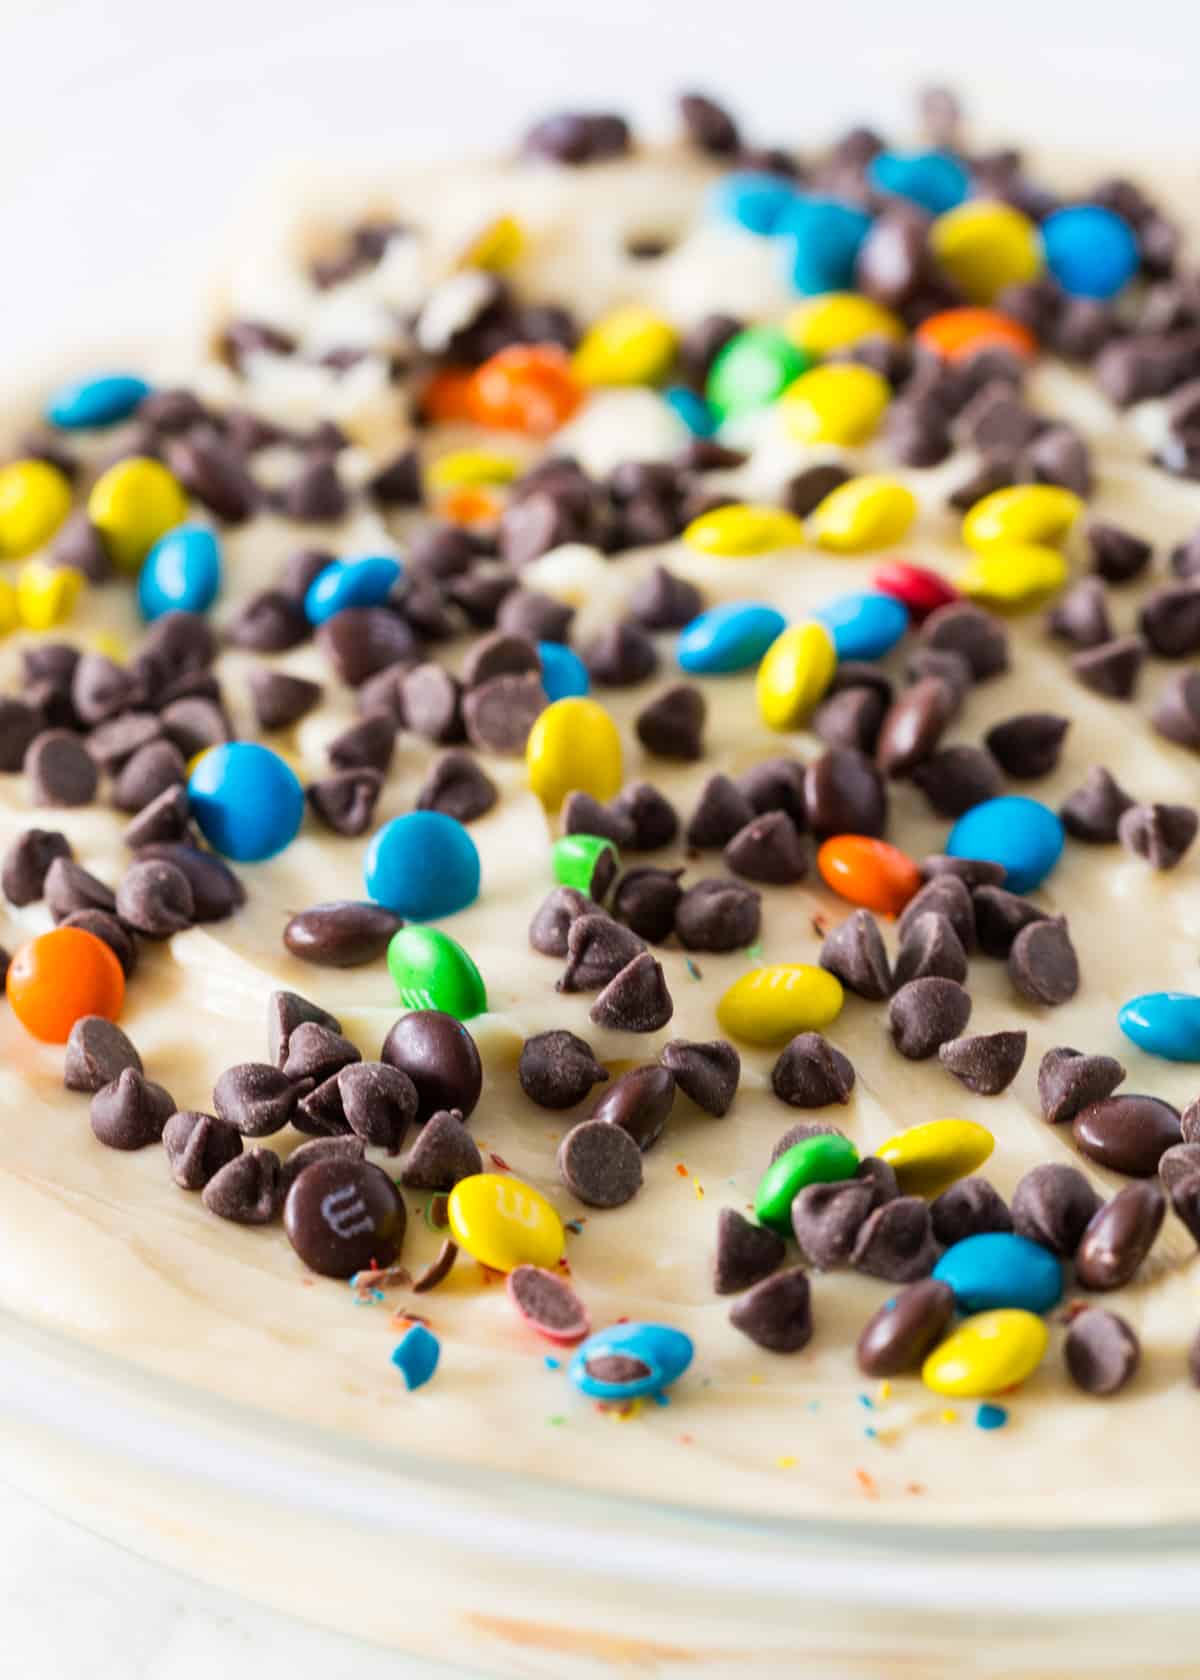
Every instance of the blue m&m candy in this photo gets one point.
(935, 180)
(1000, 1269)
(660, 1355)
(422, 866)
(1164, 1024)
(864, 626)
(753, 201)
(182, 571)
(823, 236)
(351, 583)
(1022, 835)
(100, 401)
(247, 802)
(1091, 251)
(691, 409)
(564, 674)
(731, 637)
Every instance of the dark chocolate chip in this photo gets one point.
(246, 1190)
(97, 1053)
(557, 1069)
(1119, 1237)
(776, 784)
(1029, 745)
(458, 787)
(969, 1208)
(944, 895)
(379, 1102)
(1170, 620)
(439, 1055)
(986, 1063)
(827, 1218)
(720, 812)
(60, 770)
(1069, 1081)
(975, 872)
(315, 1052)
(1117, 555)
(155, 899)
(913, 725)
(621, 656)
(950, 668)
(342, 934)
(1129, 1133)
(130, 1111)
(844, 794)
(197, 1147)
(344, 1148)
(718, 915)
(270, 621)
(598, 948)
(745, 1253)
(499, 655)
(800, 1133)
(213, 472)
(443, 1154)
(708, 1073)
(897, 1338)
(964, 629)
(768, 849)
(708, 125)
(1180, 1163)
(552, 920)
(955, 779)
(672, 725)
(365, 745)
(359, 641)
(115, 935)
(1058, 455)
(149, 773)
(534, 615)
(1161, 834)
(653, 818)
(27, 861)
(1000, 916)
(1102, 1351)
(854, 951)
(636, 1000)
(341, 1216)
(663, 601)
(80, 546)
(1113, 668)
(1052, 1205)
(925, 1014)
(398, 482)
(646, 900)
(114, 743)
(1094, 811)
(776, 1314)
(811, 1073)
(256, 1097)
(499, 714)
(430, 702)
(20, 723)
(194, 723)
(600, 1164)
(581, 814)
(1176, 711)
(929, 945)
(1042, 963)
(216, 890)
(100, 688)
(896, 1242)
(345, 802)
(316, 494)
(69, 887)
(851, 717)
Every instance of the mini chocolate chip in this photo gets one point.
(80, 546)
(1052, 1205)
(598, 948)
(913, 725)
(155, 899)
(811, 1073)
(315, 1051)
(776, 1314)
(1119, 1237)
(379, 1102)
(995, 472)
(100, 688)
(1058, 455)
(635, 1000)
(534, 615)
(115, 935)
(844, 794)
(961, 628)
(1129, 1133)
(663, 601)
(986, 1063)
(27, 861)
(130, 1111)
(60, 770)
(969, 1208)
(926, 1013)
(1161, 834)
(20, 723)
(365, 745)
(246, 1190)
(621, 656)
(480, 595)
(440, 1057)
(1102, 1351)
(1042, 963)
(270, 621)
(745, 1253)
(896, 1339)
(827, 1218)
(768, 849)
(653, 818)
(316, 494)
(1176, 711)
(944, 895)
(458, 787)
(1117, 555)
(707, 1073)
(345, 802)
(720, 811)
(557, 1069)
(499, 655)
(69, 887)
(718, 915)
(430, 702)
(708, 125)
(1094, 811)
(1029, 745)
(672, 725)
(216, 890)
(854, 951)
(552, 920)
(955, 779)
(342, 934)
(97, 1053)
(114, 743)
(359, 641)
(1170, 620)
(581, 814)
(151, 771)
(256, 1097)
(851, 717)
(600, 1164)
(1113, 668)
(952, 669)
(896, 1242)
(929, 945)
(443, 1154)
(499, 714)
(195, 723)
(442, 551)
(646, 901)
(1068, 1080)
(213, 472)
(776, 784)
(639, 1102)
(197, 1147)
(1000, 916)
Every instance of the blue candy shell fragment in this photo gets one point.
(416, 1356)
(664, 1354)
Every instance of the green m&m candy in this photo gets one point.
(587, 862)
(432, 971)
(752, 369)
(823, 1159)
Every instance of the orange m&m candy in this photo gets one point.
(955, 334)
(525, 388)
(57, 978)
(868, 872)
(447, 396)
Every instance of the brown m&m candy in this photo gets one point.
(342, 1216)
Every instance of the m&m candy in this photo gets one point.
(351, 583)
(1001, 1269)
(1025, 837)
(989, 1353)
(628, 1361)
(61, 976)
(422, 866)
(1164, 1024)
(182, 571)
(1090, 250)
(731, 637)
(246, 801)
(35, 498)
(869, 872)
(564, 675)
(573, 744)
(132, 505)
(864, 625)
(102, 400)
(504, 1223)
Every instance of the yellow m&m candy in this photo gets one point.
(46, 595)
(495, 247)
(1014, 576)
(927, 1159)
(504, 1223)
(836, 320)
(742, 529)
(867, 512)
(841, 402)
(793, 674)
(630, 346)
(771, 1005)
(1023, 513)
(35, 498)
(574, 744)
(469, 468)
(987, 1354)
(133, 504)
(985, 247)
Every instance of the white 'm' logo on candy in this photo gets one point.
(512, 1205)
(345, 1212)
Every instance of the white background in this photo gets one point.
(132, 131)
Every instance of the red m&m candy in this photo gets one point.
(922, 591)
